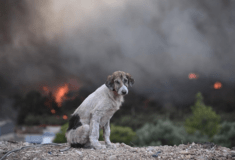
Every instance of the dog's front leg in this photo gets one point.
(106, 136)
(94, 132)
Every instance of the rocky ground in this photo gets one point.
(206, 151)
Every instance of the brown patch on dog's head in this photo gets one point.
(110, 82)
(131, 80)
(118, 79)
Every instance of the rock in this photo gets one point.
(113, 157)
(188, 156)
(79, 152)
(134, 150)
(2, 151)
(26, 144)
(117, 145)
(184, 152)
(196, 152)
(150, 149)
(201, 158)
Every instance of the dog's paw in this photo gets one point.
(111, 146)
(100, 147)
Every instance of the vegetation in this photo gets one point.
(146, 122)
(60, 137)
(35, 109)
(120, 134)
(226, 135)
(204, 119)
(165, 133)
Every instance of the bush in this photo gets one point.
(204, 119)
(120, 134)
(60, 137)
(226, 135)
(135, 122)
(165, 133)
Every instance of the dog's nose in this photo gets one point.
(123, 92)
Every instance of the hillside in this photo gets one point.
(206, 151)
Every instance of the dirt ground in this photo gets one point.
(206, 151)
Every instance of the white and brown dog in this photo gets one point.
(96, 111)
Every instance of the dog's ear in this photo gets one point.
(131, 80)
(110, 82)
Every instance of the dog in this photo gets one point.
(96, 111)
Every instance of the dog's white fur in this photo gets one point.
(96, 111)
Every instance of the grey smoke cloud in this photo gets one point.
(156, 41)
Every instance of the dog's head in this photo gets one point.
(119, 82)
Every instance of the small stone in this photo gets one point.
(113, 157)
(79, 152)
(142, 150)
(26, 144)
(188, 156)
(150, 149)
(117, 145)
(201, 158)
(193, 144)
(134, 150)
(126, 146)
(2, 151)
(184, 152)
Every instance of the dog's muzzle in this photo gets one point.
(123, 90)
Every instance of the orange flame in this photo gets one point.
(65, 117)
(192, 76)
(53, 111)
(217, 85)
(60, 94)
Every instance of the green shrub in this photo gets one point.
(204, 119)
(60, 137)
(226, 135)
(165, 133)
(135, 122)
(119, 134)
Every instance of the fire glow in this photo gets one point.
(192, 76)
(53, 111)
(65, 117)
(60, 94)
(217, 85)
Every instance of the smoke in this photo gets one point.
(158, 42)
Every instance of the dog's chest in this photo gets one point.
(107, 116)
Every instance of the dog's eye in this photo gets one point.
(117, 82)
